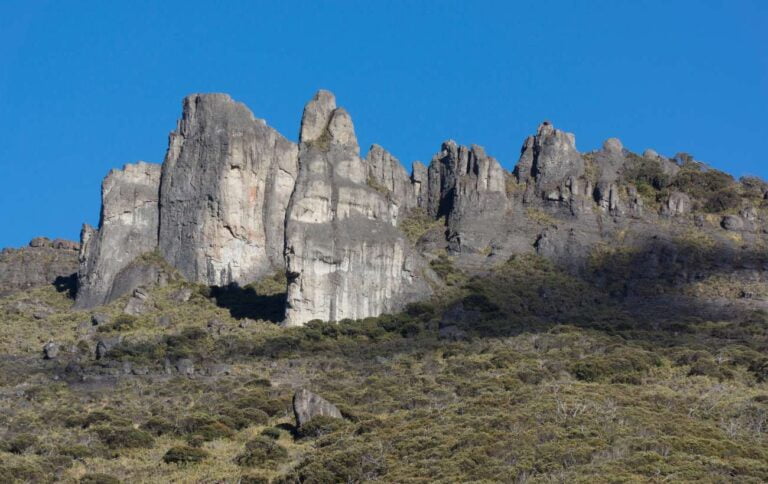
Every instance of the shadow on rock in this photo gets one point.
(245, 302)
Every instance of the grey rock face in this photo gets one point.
(127, 229)
(43, 262)
(678, 203)
(307, 405)
(386, 171)
(345, 258)
(420, 182)
(468, 187)
(227, 179)
(549, 159)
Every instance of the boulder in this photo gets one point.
(307, 405)
(104, 345)
(139, 303)
(100, 319)
(50, 350)
(127, 229)
(678, 203)
(226, 182)
(185, 366)
(345, 258)
(733, 223)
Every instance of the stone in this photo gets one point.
(307, 405)
(226, 182)
(104, 345)
(345, 258)
(733, 223)
(548, 160)
(185, 366)
(50, 350)
(468, 187)
(181, 295)
(100, 319)
(139, 303)
(41, 263)
(127, 229)
(420, 182)
(678, 203)
(386, 171)
(218, 369)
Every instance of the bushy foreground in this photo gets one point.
(522, 375)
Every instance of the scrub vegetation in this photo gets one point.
(550, 380)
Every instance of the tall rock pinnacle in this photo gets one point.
(227, 179)
(344, 256)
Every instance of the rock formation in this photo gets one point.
(344, 256)
(468, 187)
(550, 162)
(235, 201)
(387, 173)
(307, 405)
(226, 182)
(127, 229)
(44, 261)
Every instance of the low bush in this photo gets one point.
(261, 452)
(124, 438)
(184, 455)
(99, 479)
(18, 444)
(271, 432)
(321, 425)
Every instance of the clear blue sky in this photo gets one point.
(88, 86)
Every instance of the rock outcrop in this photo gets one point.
(43, 262)
(127, 229)
(550, 163)
(468, 187)
(307, 405)
(226, 182)
(344, 256)
(386, 173)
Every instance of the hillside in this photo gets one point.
(588, 317)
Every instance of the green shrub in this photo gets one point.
(158, 426)
(271, 432)
(261, 452)
(122, 322)
(124, 438)
(321, 425)
(99, 479)
(19, 443)
(184, 455)
(722, 200)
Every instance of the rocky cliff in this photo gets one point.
(235, 201)
(345, 257)
(227, 179)
(43, 261)
(127, 229)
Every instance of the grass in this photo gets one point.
(556, 381)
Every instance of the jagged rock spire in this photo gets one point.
(344, 256)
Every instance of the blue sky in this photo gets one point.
(88, 86)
